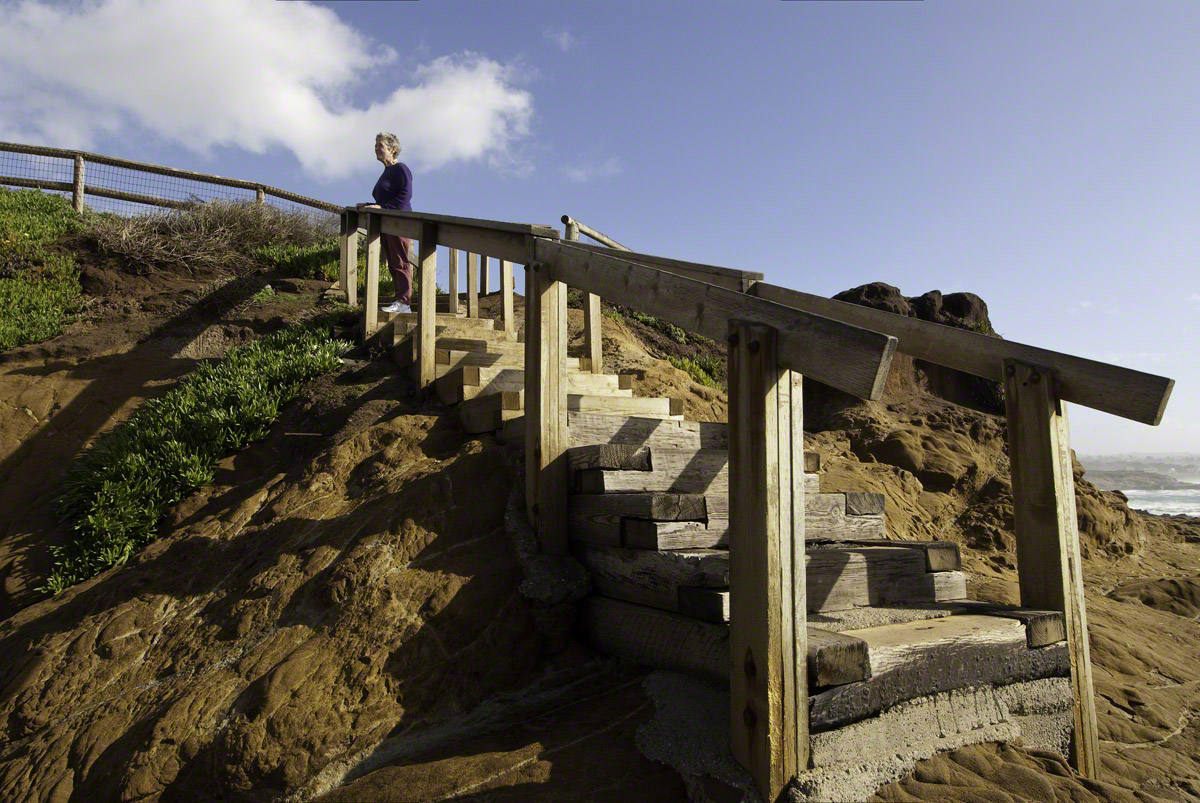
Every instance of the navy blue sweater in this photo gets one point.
(394, 188)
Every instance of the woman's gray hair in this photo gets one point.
(389, 140)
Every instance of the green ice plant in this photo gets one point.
(117, 492)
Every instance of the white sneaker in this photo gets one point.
(396, 306)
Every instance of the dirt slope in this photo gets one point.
(342, 612)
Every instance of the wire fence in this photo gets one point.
(124, 187)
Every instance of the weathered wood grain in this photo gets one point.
(1120, 391)
(656, 638)
(836, 658)
(651, 578)
(849, 358)
(644, 534)
(591, 428)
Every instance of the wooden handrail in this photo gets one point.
(583, 228)
(1110, 388)
(739, 280)
(841, 355)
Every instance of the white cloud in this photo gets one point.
(590, 171)
(563, 38)
(1195, 296)
(252, 75)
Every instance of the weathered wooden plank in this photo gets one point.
(656, 638)
(473, 285)
(940, 556)
(836, 658)
(706, 604)
(535, 229)
(591, 428)
(593, 339)
(546, 422)
(762, 638)
(665, 640)
(864, 504)
(371, 294)
(1049, 567)
(485, 279)
(609, 455)
(846, 357)
(1101, 386)
(350, 283)
(919, 658)
(738, 280)
(1041, 627)
(651, 578)
(507, 315)
(452, 281)
(427, 310)
(660, 507)
(645, 534)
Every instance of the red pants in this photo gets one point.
(397, 251)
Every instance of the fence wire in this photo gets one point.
(19, 170)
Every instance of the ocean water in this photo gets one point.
(1168, 502)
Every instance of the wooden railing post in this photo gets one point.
(1049, 568)
(260, 196)
(484, 279)
(427, 298)
(546, 407)
(506, 297)
(371, 299)
(350, 274)
(77, 186)
(591, 313)
(767, 630)
(472, 285)
(452, 267)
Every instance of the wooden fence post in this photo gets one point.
(260, 197)
(427, 298)
(767, 631)
(452, 267)
(350, 275)
(77, 187)
(506, 297)
(371, 296)
(472, 285)
(546, 407)
(1049, 568)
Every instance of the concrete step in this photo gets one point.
(468, 382)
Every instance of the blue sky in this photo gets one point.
(1043, 155)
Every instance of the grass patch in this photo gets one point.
(38, 290)
(703, 369)
(263, 296)
(216, 236)
(116, 493)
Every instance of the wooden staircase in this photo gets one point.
(888, 621)
(648, 516)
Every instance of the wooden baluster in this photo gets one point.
(77, 187)
(452, 266)
(591, 314)
(427, 299)
(506, 293)
(484, 279)
(371, 302)
(546, 484)
(1049, 568)
(350, 276)
(767, 623)
(472, 285)
(343, 233)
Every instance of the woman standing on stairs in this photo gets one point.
(393, 190)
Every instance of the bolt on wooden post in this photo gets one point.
(1049, 567)
(767, 629)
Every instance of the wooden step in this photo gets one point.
(837, 578)
(670, 641)
(825, 519)
(903, 662)
(442, 319)
(465, 328)
(598, 518)
(587, 429)
(473, 410)
(643, 457)
(468, 382)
